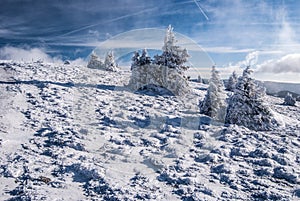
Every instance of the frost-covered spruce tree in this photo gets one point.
(144, 58)
(95, 62)
(199, 79)
(231, 82)
(173, 56)
(214, 104)
(289, 100)
(135, 60)
(110, 63)
(246, 106)
(140, 60)
(166, 70)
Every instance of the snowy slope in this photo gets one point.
(73, 133)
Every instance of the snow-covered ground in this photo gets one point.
(73, 133)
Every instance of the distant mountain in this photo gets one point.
(280, 89)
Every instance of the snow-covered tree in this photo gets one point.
(173, 56)
(289, 100)
(140, 60)
(110, 63)
(166, 70)
(199, 79)
(247, 107)
(214, 104)
(169, 42)
(95, 62)
(230, 86)
(144, 58)
(135, 60)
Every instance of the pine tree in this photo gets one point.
(169, 42)
(289, 100)
(110, 63)
(95, 62)
(230, 86)
(135, 60)
(246, 106)
(214, 104)
(144, 59)
(199, 79)
(173, 56)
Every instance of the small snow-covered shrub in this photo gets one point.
(289, 100)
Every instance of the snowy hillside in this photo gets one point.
(281, 89)
(74, 133)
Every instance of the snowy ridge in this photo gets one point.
(74, 133)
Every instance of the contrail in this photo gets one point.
(196, 2)
(108, 21)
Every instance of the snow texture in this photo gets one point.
(74, 133)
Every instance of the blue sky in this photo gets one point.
(230, 31)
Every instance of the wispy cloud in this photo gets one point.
(26, 54)
(221, 49)
(286, 34)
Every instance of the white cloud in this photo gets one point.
(79, 61)
(251, 58)
(25, 54)
(221, 49)
(227, 71)
(286, 34)
(287, 64)
(94, 33)
(5, 32)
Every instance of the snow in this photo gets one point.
(74, 133)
